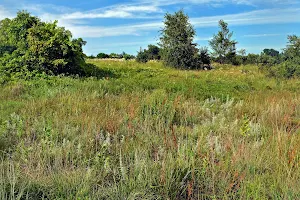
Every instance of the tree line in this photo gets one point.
(30, 46)
(177, 49)
(112, 56)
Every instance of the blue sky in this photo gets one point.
(117, 26)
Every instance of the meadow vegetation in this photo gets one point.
(145, 131)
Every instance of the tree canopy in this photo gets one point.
(223, 47)
(28, 44)
(178, 49)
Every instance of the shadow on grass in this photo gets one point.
(92, 70)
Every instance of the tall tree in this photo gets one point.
(292, 50)
(222, 45)
(178, 49)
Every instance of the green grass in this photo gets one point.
(149, 132)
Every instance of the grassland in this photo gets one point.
(149, 132)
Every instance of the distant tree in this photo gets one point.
(176, 42)
(292, 50)
(271, 52)
(153, 52)
(241, 56)
(91, 56)
(127, 56)
(114, 55)
(102, 55)
(222, 45)
(204, 56)
(252, 59)
(242, 52)
(142, 56)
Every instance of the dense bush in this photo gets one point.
(288, 64)
(29, 45)
(142, 57)
(152, 53)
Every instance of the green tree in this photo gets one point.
(204, 56)
(252, 59)
(292, 51)
(102, 55)
(27, 44)
(222, 45)
(178, 49)
(271, 52)
(153, 52)
(142, 56)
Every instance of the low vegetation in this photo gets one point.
(150, 132)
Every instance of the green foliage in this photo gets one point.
(142, 56)
(29, 45)
(222, 45)
(150, 132)
(115, 56)
(271, 52)
(290, 67)
(127, 56)
(292, 50)
(178, 49)
(153, 52)
(102, 55)
(204, 56)
(252, 59)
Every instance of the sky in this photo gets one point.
(116, 26)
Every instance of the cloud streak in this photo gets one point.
(119, 11)
(266, 16)
(263, 35)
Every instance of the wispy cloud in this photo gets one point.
(220, 2)
(119, 11)
(263, 35)
(266, 16)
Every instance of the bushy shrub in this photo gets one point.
(142, 57)
(290, 67)
(29, 45)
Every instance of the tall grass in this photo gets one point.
(151, 133)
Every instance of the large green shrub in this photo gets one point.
(29, 45)
(290, 67)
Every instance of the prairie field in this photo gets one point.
(145, 131)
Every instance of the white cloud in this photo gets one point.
(267, 16)
(263, 35)
(78, 22)
(220, 2)
(119, 11)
